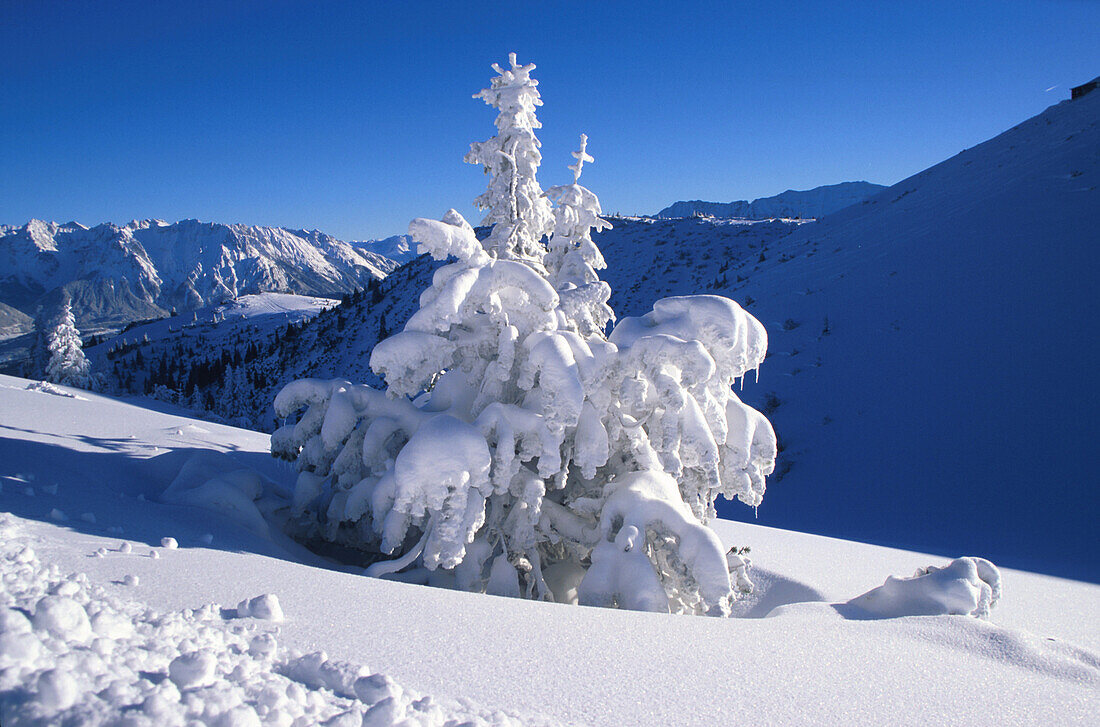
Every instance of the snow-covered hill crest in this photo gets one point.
(141, 270)
(807, 204)
(399, 248)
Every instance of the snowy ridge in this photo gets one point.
(183, 605)
(139, 271)
(808, 204)
(399, 248)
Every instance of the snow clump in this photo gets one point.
(965, 586)
(47, 388)
(62, 617)
(192, 669)
(265, 607)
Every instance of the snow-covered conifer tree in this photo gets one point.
(66, 365)
(517, 210)
(228, 397)
(518, 449)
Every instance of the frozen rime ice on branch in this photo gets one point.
(519, 449)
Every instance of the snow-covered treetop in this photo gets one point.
(573, 258)
(517, 210)
(581, 156)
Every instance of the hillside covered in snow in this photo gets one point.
(143, 578)
(792, 204)
(925, 328)
(933, 352)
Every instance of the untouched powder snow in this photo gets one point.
(76, 640)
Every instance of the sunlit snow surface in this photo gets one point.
(163, 637)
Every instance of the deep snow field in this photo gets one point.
(124, 602)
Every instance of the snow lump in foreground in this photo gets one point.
(965, 586)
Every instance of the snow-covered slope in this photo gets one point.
(120, 274)
(934, 354)
(808, 204)
(931, 350)
(14, 322)
(264, 312)
(648, 258)
(83, 478)
(193, 354)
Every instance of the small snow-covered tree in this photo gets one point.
(573, 257)
(519, 449)
(66, 364)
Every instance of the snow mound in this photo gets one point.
(214, 481)
(265, 607)
(47, 388)
(965, 586)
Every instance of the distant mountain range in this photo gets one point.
(142, 270)
(117, 275)
(809, 204)
(399, 248)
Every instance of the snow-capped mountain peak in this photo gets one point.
(146, 267)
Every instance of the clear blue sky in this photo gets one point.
(352, 117)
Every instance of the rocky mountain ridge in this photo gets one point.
(142, 270)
